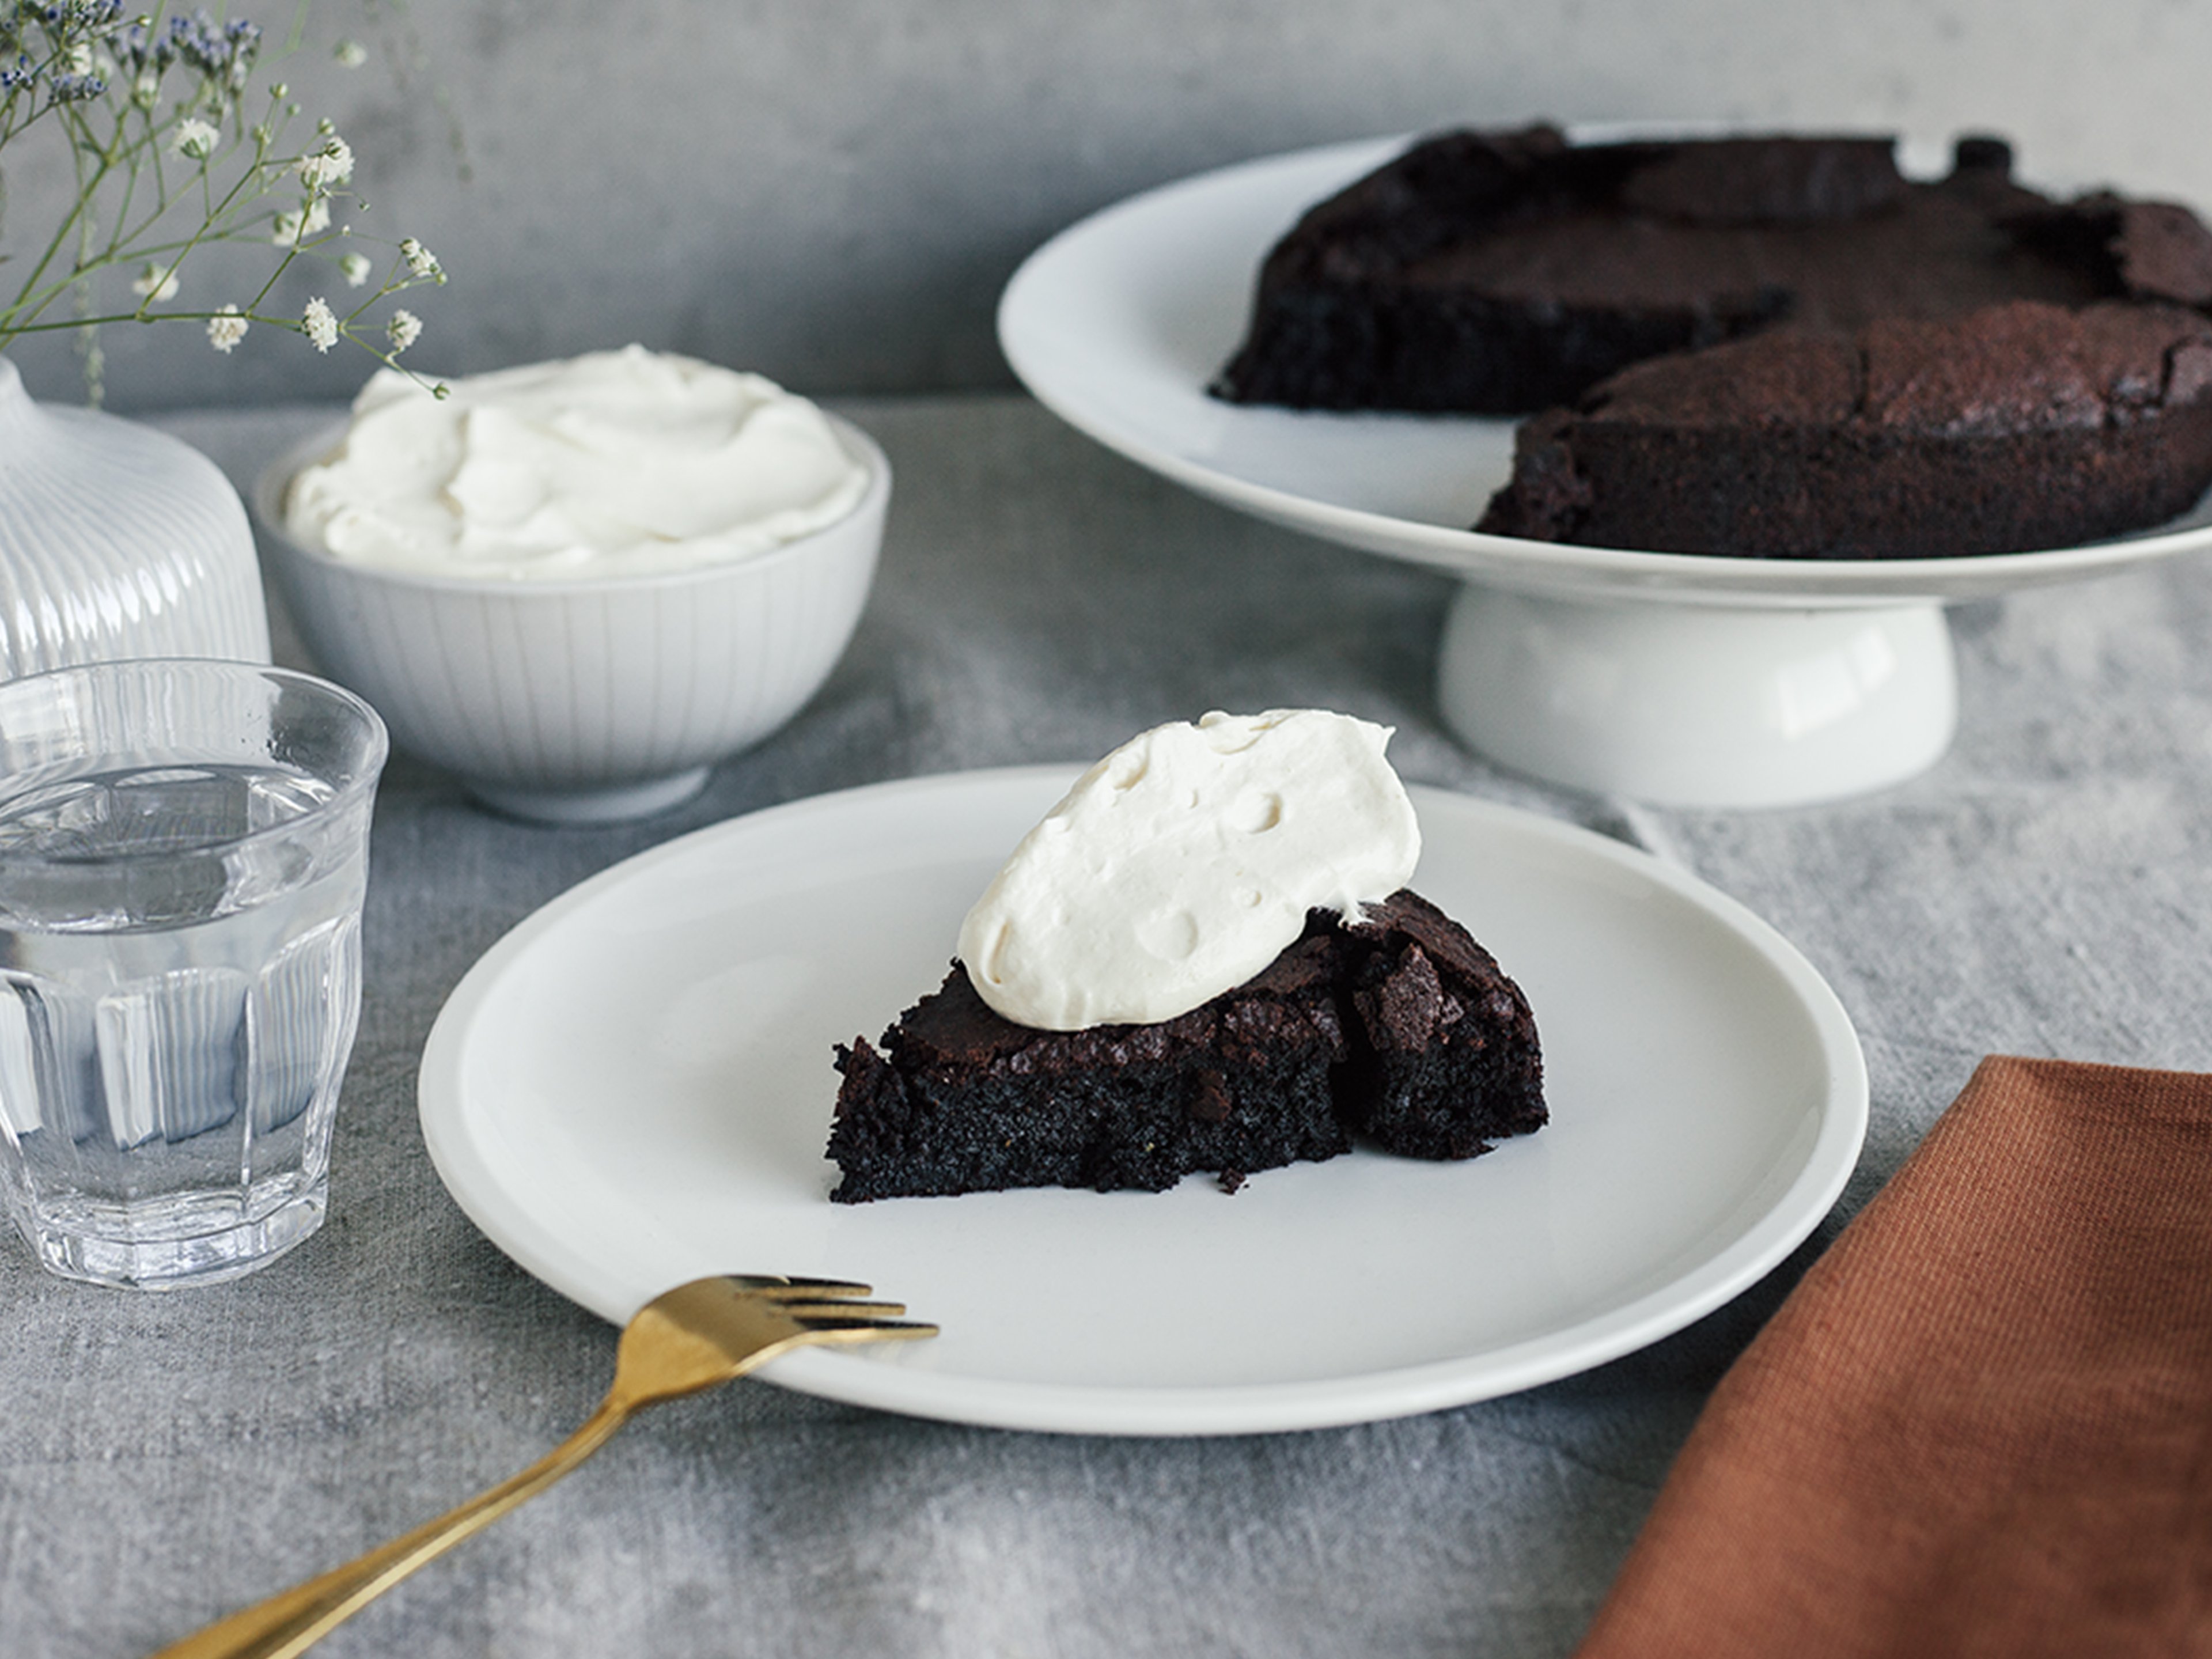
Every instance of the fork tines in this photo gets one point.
(829, 1305)
(791, 1287)
(857, 1316)
(881, 1327)
(852, 1316)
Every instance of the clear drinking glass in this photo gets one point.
(184, 847)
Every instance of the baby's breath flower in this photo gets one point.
(226, 329)
(328, 165)
(295, 225)
(168, 84)
(156, 283)
(194, 139)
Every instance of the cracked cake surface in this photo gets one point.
(1398, 1029)
(1503, 272)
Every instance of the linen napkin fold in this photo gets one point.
(1982, 1424)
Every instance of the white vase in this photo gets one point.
(117, 541)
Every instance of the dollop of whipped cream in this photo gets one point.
(611, 464)
(1184, 862)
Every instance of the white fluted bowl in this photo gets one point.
(592, 700)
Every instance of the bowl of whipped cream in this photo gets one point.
(578, 585)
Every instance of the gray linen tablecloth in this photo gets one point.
(163, 1459)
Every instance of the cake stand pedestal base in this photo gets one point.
(1685, 704)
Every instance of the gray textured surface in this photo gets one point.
(163, 1459)
(833, 191)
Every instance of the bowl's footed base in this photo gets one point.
(612, 806)
(1687, 705)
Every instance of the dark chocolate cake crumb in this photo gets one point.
(1450, 1061)
(1397, 1026)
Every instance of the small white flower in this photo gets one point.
(356, 268)
(156, 283)
(322, 327)
(403, 330)
(420, 262)
(76, 58)
(146, 90)
(294, 226)
(351, 53)
(194, 139)
(226, 329)
(328, 165)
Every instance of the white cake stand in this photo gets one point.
(1672, 678)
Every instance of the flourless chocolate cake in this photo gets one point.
(1765, 347)
(1398, 1027)
(2017, 427)
(1501, 273)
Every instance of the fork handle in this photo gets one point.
(288, 1622)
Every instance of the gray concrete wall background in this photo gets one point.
(833, 191)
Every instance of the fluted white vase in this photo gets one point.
(117, 541)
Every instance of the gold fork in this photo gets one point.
(685, 1340)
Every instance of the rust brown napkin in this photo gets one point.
(1983, 1423)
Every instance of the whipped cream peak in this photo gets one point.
(1183, 863)
(614, 462)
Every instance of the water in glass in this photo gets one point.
(179, 974)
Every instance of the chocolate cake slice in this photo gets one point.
(1399, 1027)
(2017, 427)
(1502, 273)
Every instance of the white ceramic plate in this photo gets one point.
(1118, 324)
(634, 1087)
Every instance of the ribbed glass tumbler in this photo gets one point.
(184, 850)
